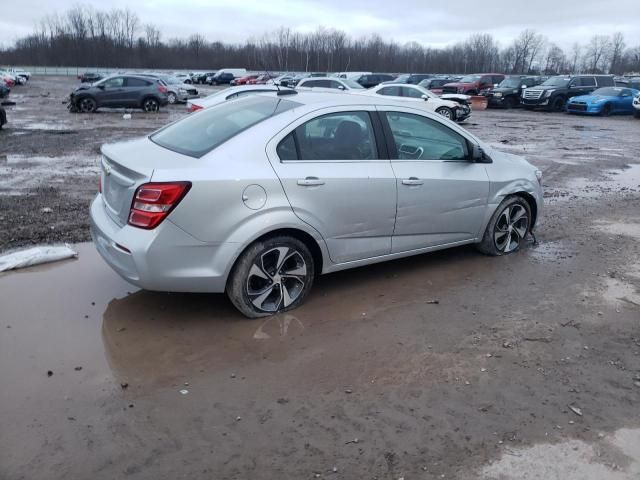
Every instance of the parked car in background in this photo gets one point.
(229, 94)
(242, 80)
(411, 78)
(554, 92)
(604, 101)
(351, 75)
(456, 110)
(222, 78)
(183, 77)
(4, 90)
(260, 79)
(120, 91)
(329, 83)
(3, 117)
(284, 80)
(473, 84)
(628, 82)
(20, 72)
(202, 77)
(177, 91)
(507, 93)
(636, 105)
(283, 168)
(7, 79)
(90, 77)
(372, 79)
(435, 84)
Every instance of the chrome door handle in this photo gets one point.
(412, 181)
(310, 182)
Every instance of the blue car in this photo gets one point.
(604, 101)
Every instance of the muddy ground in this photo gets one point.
(446, 365)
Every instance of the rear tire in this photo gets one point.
(271, 276)
(508, 227)
(606, 110)
(150, 104)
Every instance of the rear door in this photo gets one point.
(442, 196)
(332, 166)
(134, 88)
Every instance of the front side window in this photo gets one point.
(420, 138)
(587, 82)
(336, 136)
(115, 82)
(411, 92)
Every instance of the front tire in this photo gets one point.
(445, 112)
(271, 276)
(87, 105)
(509, 103)
(508, 227)
(172, 98)
(558, 104)
(606, 110)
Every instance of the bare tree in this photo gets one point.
(597, 52)
(617, 48)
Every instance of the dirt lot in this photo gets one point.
(447, 365)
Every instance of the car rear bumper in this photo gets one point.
(163, 259)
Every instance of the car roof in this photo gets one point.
(339, 98)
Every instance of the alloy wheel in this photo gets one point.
(87, 105)
(511, 228)
(276, 279)
(150, 105)
(445, 112)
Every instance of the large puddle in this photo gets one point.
(613, 457)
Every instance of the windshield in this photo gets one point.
(200, 133)
(556, 82)
(510, 83)
(402, 78)
(608, 92)
(470, 79)
(352, 84)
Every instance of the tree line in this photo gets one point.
(117, 38)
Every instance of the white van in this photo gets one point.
(351, 75)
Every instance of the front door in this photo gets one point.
(114, 92)
(338, 182)
(442, 196)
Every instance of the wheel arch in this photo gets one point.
(533, 205)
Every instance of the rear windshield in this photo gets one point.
(203, 131)
(470, 79)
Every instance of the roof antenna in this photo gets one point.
(280, 92)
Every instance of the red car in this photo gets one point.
(243, 80)
(259, 80)
(473, 84)
(8, 81)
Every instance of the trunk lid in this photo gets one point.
(127, 165)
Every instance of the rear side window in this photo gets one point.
(137, 82)
(390, 91)
(198, 134)
(411, 92)
(336, 136)
(605, 81)
(115, 82)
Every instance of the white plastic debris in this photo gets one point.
(127, 116)
(35, 256)
(184, 392)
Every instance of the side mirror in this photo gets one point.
(495, 85)
(478, 155)
(341, 87)
(425, 98)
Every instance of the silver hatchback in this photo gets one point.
(257, 196)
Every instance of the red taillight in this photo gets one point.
(192, 107)
(162, 89)
(154, 201)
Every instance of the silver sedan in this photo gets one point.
(258, 195)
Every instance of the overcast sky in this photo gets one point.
(434, 23)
